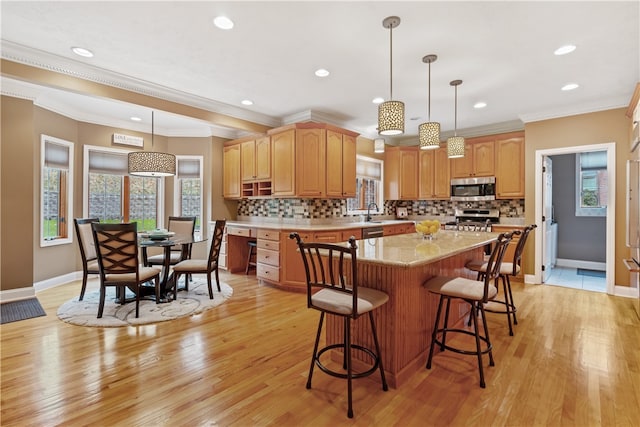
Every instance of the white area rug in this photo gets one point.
(83, 313)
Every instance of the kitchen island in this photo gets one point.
(399, 265)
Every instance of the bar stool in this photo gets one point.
(251, 257)
(332, 287)
(475, 293)
(507, 305)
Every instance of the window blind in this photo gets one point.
(108, 163)
(188, 168)
(56, 156)
(367, 169)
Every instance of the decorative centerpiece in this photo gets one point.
(428, 228)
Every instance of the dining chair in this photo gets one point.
(87, 250)
(202, 266)
(333, 288)
(508, 269)
(181, 225)
(475, 293)
(117, 251)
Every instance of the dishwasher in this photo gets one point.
(372, 232)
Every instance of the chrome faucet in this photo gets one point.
(368, 210)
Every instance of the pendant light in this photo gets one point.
(429, 132)
(378, 145)
(151, 163)
(455, 144)
(391, 113)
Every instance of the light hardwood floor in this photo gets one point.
(574, 361)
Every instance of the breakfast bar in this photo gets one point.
(399, 265)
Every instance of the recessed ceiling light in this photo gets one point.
(136, 119)
(80, 51)
(570, 86)
(563, 50)
(223, 22)
(480, 105)
(321, 72)
(246, 102)
(378, 100)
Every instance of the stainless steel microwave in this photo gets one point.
(473, 189)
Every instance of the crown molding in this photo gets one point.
(585, 108)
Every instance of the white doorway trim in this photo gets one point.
(610, 148)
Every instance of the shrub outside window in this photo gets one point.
(592, 183)
(188, 188)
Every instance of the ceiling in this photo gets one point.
(503, 52)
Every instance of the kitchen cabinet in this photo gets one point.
(311, 149)
(434, 174)
(313, 160)
(268, 257)
(478, 160)
(255, 158)
(231, 172)
(341, 164)
(401, 173)
(510, 166)
(283, 160)
(394, 229)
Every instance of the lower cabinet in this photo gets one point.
(268, 258)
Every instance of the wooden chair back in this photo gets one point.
(517, 255)
(216, 243)
(85, 238)
(117, 248)
(495, 262)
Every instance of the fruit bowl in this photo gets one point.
(428, 228)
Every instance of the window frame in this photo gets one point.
(126, 193)
(380, 200)
(600, 211)
(68, 214)
(177, 205)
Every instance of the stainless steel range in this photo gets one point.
(474, 220)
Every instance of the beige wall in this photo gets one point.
(584, 129)
(17, 147)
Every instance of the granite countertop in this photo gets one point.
(411, 250)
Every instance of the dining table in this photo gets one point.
(150, 240)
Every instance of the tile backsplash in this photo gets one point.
(337, 208)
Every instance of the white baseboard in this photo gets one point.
(57, 281)
(576, 263)
(17, 294)
(625, 291)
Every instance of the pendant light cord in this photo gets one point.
(391, 62)
(455, 114)
(152, 130)
(429, 96)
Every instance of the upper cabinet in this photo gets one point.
(478, 160)
(401, 173)
(510, 166)
(231, 174)
(313, 160)
(434, 174)
(256, 159)
(341, 164)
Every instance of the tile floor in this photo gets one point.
(569, 278)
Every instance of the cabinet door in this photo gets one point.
(248, 161)
(409, 175)
(231, 182)
(484, 158)
(510, 168)
(263, 158)
(348, 166)
(310, 162)
(284, 167)
(442, 175)
(426, 168)
(334, 164)
(462, 167)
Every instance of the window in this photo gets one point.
(369, 174)
(56, 195)
(188, 188)
(114, 196)
(591, 183)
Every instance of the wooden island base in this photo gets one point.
(405, 322)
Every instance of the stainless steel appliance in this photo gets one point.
(474, 220)
(473, 189)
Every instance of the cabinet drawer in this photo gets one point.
(346, 234)
(268, 244)
(329, 237)
(268, 272)
(239, 231)
(268, 235)
(265, 256)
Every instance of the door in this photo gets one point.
(547, 212)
